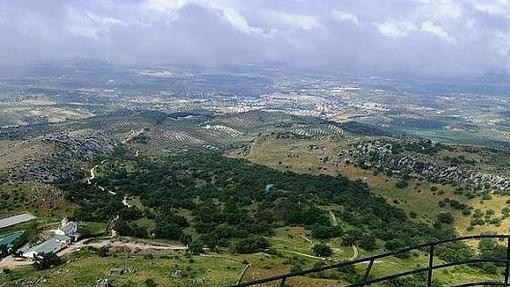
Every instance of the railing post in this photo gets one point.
(282, 283)
(507, 262)
(367, 272)
(431, 264)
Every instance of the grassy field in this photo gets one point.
(213, 269)
(85, 269)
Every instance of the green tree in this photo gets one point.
(196, 247)
(85, 232)
(44, 261)
(368, 242)
(322, 250)
(168, 230)
(446, 218)
(351, 237)
(4, 251)
(325, 232)
(149, 282)
(103, 251)
(251, 244)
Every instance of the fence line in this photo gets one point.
(429, 270)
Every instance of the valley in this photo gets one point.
(204, 182)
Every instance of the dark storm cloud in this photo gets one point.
(439, 37)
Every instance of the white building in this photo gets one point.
(67, 228)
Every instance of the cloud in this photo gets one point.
(344, 16)
(395, 29)
(238, 21)
(439, 37)
(435, 29)
(296, 21)
(494, 7)
(87, 24)
(165, 5)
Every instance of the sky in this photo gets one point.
(433, 37)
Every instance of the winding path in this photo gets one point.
(355, 253)
(334, 222)
(303, 254)
(92, 173)
(332, 217)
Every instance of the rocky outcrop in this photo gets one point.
(70, 150)
(419, 162)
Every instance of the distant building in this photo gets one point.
(10, 238)
(67, 228)
(62, 238)
(54, 245)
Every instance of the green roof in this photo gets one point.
(9, 238)
(62, 237)
(49, 246)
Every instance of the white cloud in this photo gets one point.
(344, 16)
(395, 29)
(165, 5)
(435, 29)
(502, 46)
(296, 21)
(494, 7)
(87, 24)
(237, 20)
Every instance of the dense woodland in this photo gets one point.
(230, 200)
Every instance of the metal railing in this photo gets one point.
(429, 270)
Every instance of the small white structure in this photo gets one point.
(61, 238)
(67, 228)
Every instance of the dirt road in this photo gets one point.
(119, 244)
(355, 253)
(332, 217)
(9, 263)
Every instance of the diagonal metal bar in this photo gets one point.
(424, 269)
(387, 254)
(367, 271)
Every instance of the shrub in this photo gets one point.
(149, 282)
(195, 247)
(103, 251)
(368, 243)
(322, 250)
(446, 218)
(325, 232)
(251, 245)
(46, 260)
(401, 184)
